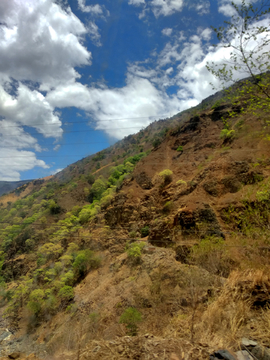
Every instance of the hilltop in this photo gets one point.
(157, 247)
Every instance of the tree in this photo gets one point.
(247, 35)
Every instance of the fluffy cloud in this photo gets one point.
(16, 162)
(93, 9)
(40, 46)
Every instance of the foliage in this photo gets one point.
(166, 175)
(181, 182)
(180, 148)
(247, 37)
(134, 250)
(54, 208)
(145, 231)
(36, 300)
(84, 261)
(131, 317)
(66, 294)
(210, 254)
(227, 134)
(97, 189)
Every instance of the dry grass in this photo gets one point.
(240, 310)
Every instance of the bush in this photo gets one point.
(134, 251)
(227, 134)
(54, 208)
(90, 179)
(145, 231)
(66, 294)
(166, 175)
(84, 262)
(36, 300)
(131, 317)
(180, 148)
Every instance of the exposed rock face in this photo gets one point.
(144, 181)
(201, 220)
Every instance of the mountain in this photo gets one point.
(157, 247)
(7, 186)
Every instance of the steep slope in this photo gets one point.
(164, 236)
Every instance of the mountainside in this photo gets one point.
(7, 186)
(157, 247)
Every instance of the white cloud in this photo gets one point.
(41, 44)
(227, 10)
(56, 171)
(136, 2)
(167, 31)
(206, 34)
(17, 161)
(93, 32)
(159, 7)
(56, 147)
(94, 9)
(203, 7)
(166, 7)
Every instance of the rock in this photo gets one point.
(5, 335)
(260, 352)
(15, 355)
(144, 181)
(222, 355)
(243, 355)
(248, 342)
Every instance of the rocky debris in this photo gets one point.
(143, 347)
(202, 220)
(255, 350)
(222, 355)
(144, 181)
(160, 234)
(250, 350)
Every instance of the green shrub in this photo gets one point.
(227, 134)
(145, 231)
(181, 183)
(166, 175)
(180, 148)
(54, 208)
(134, 251)
(167, 206)
(36, 300)
(131, 317)
(133, 234)
(66, 294)
(84, 262)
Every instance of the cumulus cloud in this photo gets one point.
(17, 161)
(41, 44)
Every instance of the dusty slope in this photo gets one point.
(209, 199)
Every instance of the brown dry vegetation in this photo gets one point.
(202, 281)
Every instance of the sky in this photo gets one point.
(78, 75)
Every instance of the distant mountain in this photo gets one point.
(7, 186)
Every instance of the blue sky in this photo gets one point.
(78, 75)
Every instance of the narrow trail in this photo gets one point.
(168, 159)
(103, 167)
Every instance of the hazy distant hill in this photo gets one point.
(7, 186)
